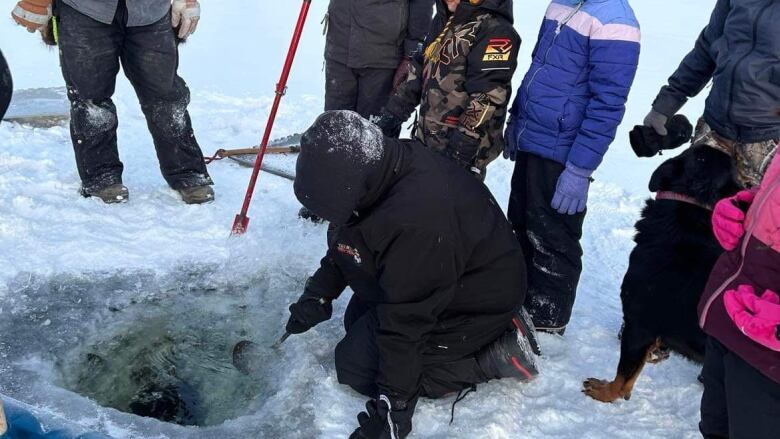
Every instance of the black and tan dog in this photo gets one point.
(674, 254)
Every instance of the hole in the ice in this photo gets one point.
(167, 353)
(170, 368)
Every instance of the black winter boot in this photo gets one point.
(513, 354)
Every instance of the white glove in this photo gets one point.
(186, 13)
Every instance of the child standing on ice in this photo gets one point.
(740, 312)
(564, 118)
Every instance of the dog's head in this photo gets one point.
(701, 172)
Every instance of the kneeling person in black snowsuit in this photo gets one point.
(432, 263)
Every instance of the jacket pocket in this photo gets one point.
(573, 115)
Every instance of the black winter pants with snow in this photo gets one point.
(357, 359)
(550, 241)
(90, 55)
(739, 402)
(364, 91)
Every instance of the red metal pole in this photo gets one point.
(242, 220)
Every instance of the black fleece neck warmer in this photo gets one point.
(342, 164)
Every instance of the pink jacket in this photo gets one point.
(752, 268)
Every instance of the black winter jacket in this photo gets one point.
(6, 86)
(376, 33)
(740, 51)
(429, 247)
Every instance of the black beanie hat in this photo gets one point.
(340, 155)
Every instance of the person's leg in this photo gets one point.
(714, 412)
(516, 212)
(355, 310)
(150, 58)
(441, 379)
(374, 89)
(341, 87)
(89, 57)
(357, 355)
(554, 254)
(511, 355)
(753, 401)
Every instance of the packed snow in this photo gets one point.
(67, 262)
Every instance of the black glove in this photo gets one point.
(389, 123)
(463, 148)
(646, 141)
(381, 416)
(309, 311)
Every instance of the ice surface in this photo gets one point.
(56, 246)
(39, 102)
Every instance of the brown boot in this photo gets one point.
(116, 193)
(196, 194)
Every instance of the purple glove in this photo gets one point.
(571, 193)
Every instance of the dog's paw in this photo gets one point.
(601, 390)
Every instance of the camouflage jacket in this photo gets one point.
(463, 80)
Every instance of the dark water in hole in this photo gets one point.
(156, 347)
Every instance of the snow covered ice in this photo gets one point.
(66, 261)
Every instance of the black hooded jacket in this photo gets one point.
(427, 245)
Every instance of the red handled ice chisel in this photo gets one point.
(242, 220)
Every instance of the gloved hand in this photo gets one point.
(402, 72)
(32, 14)
(646, 142)
(656, 121)
(187, 14)
(389, 123)
(510, 141)
(757, 317)
(308, 312)
(728, 219)
(462, 147)
(571, 193)
(385, 420)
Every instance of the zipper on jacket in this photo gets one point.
(558, 29)
(730, 109)
(743, 252)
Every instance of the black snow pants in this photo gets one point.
(364, 91)
(739, 402)
(6, 86)
(550, 242)
(90, 54)
(357, 359)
